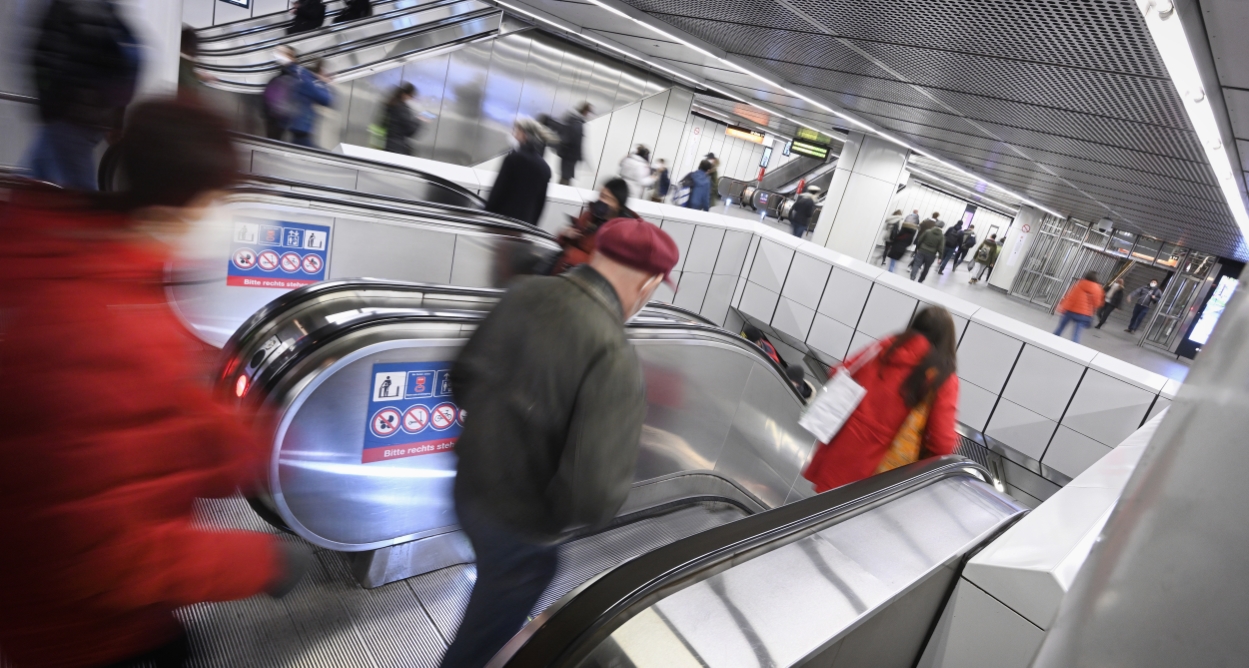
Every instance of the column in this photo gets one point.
(864, 183)
(1016, 240)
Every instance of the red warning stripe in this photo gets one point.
(400, 451)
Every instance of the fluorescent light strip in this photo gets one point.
(951, 184)
(1164, 25)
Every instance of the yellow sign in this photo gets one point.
(744, 134)
(808, 149)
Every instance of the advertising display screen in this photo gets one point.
(1214, 308)
(788, 145)
(810, 150)
(767, 157)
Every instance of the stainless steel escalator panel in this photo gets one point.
(261, 31)
(862, 592)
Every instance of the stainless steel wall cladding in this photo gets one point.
(721, 416)
(470, 98)
(1075, 109)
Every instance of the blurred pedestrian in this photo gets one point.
(1143, 299)
(755, 336)
(309, 15)
(86, 67)
(912, 218)
(577, 241)
(966, 242)
(699, 184)
(901, 241)
(636, 170)
(953, 239)
(714, 175)
(893, 222)
(801, 212)
(399, 122)
(927, 246)
(909, 410)
(101, 545)
(354, 9)
(663, 181)
(798, 378)
(289, 98)
(1079, 304)
(571, 137)
(558, 399)
(1114, 299)
(519, 190)
(986, 256)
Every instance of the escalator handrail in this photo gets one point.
(450, 213)
(241, 139)
(572, 627)
(313, 340)
(325, 29)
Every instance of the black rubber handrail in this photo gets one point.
(325, 29)
(570, 629)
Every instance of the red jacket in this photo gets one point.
(107, 434)
(856, 450)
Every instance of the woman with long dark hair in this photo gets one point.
(399, 122)
(910, 406)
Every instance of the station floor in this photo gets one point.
(1111, 339)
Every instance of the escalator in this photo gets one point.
(721, 544)
(239, 55)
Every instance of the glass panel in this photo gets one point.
(1121, 242)
(1076, 231)
(1170, 256)
(1146, 249)
(1198, 264)
(1096, 239)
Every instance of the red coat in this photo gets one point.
(856, 450)
(107, 434)
(1084, 298)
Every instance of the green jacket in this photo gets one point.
(987, 252)
(554, 401)
(931, 241)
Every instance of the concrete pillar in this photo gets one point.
(864, 183)
(1016, 240)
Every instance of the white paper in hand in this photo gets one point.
(832, 406)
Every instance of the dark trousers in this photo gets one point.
(512, 573)
(799, 228)
(64, 154)
(173, 654)
(567, 170)
(946, 257)
(1138, 316)
(922, 260)
(300, 138)
(1104, 313)
(959, 255)
(274, 128)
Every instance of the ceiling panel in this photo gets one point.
(1066, 100)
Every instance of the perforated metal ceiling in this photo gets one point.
(1065, 101)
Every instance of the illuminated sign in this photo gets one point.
(810, 150)
(812, 136)
(767, 157)
(1214, 308)
(785, 151)
(745, 134)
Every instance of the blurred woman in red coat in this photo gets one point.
(912, 395)
(107, 429)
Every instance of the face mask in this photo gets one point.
(600, 210)
(1153, 285)
(281, 58)
(643, 297)
(512, 142)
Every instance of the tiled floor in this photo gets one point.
(1111, 340)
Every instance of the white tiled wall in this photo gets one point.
(1057, 402)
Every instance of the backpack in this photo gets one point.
(969, 240)
(279, 97)
(982, 255)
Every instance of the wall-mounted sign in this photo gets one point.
(809, 135)
(785, 151)
(817, 151)
(745, 134)
(767, 157)
(240, 3)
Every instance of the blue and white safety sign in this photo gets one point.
(281, 255)
(411, 411)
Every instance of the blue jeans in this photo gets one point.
(799, 229)
(1079, 321)
(892, 263)
(64, 154)
(946, 256)
(512, 574)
